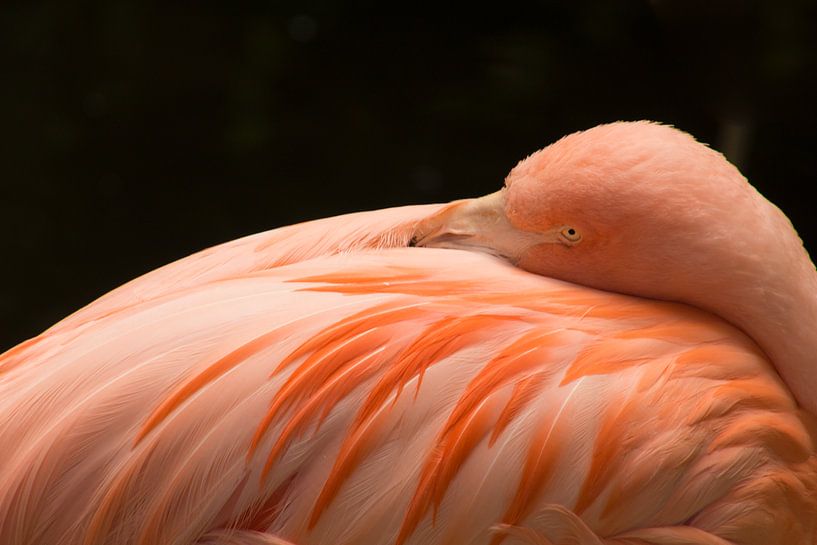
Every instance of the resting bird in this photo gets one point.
(616, 348)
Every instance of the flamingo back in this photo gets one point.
(324, 384)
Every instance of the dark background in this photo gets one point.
(136, 132)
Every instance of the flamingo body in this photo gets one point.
(325, 384)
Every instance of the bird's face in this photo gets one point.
(635, 208)
(554, 237)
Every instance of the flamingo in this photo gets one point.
(615, 348)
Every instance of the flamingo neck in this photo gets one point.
(779, 311)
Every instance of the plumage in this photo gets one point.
(326, 383)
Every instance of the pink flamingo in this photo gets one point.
(327, 383)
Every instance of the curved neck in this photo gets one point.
(778, 309)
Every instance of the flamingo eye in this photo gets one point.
(570, 235)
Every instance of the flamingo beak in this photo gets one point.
(478, 225)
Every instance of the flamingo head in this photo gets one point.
(644, 209)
